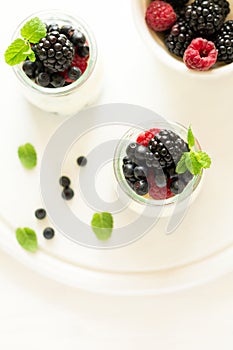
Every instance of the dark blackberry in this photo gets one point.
(167, 148)
(179, 38)
(55, 51)
(205, 17)
(224, 42)
(52, 27)
(177, 4)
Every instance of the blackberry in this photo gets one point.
(205, 17)
(55, 51)
(179, 38)
(167, 148)
(177, 4)
(224, 42)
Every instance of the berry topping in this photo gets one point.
(74, 73)
(160, 16)
(40, 213)
(55, 51)
(200, 55)
(83, 51)
(48, 233)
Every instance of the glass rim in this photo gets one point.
(51, 14)
(118, 172)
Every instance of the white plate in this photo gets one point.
(199, 250)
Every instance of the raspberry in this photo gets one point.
(200, 55)
(145, 137)
(160, 16)
(156, 192)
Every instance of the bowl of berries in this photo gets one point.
(55, 59)
(188, 36)
(160, 165)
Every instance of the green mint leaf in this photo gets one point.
(203, 159)
(181, 165)
(102, 225)
(17, 52)
(33, 30)
(192, 163)
(32, 56)
(27, 239)
(27, 155)
(191, 138)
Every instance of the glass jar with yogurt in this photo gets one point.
(70, 98)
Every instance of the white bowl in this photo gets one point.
(156, 45)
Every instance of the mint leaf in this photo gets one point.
(203, 159)
(27, 155)
(27, 239)
(191, 138)
(17, 52)
(33, 30)
(102, 225)
(181, 165)
(193, 164)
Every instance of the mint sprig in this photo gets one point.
(27, 238)
(27, 155)
(102, 225)
(20, 49)
(192, 160)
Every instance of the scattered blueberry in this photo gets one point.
(40, 213)
(48, 233)
(67, 193)
(82, 161)
(64, 181)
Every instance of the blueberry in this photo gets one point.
(126, 160)
(53, 27)
(48, 233)
(128, 170)
(74, 73)
(40, 213)
(82, 161)
(130, 150)
(177, 186)
(57, 80)
(67, 193)
(78, 38)
(83, 51)
(66, 29)
(141, 187)
(43, 79)
(64, 181)
(29, 68)
(140, 172)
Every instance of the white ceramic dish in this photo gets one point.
(198, 251)
(159, 50)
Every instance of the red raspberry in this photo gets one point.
(80, 62)
(145, 137)
(156, 192)
(200, 55)
(160, 16)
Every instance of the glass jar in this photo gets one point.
(165, 205)
(69, 99)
